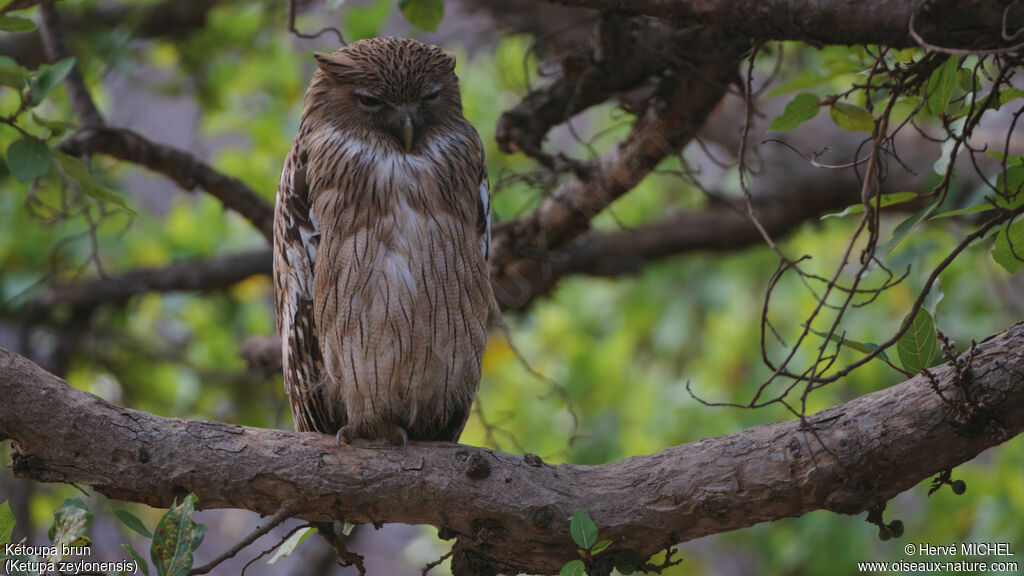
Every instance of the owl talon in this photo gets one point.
(398, 436)
(344, 437)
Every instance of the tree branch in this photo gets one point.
(682, 104)
(620, 60)
(52, 33)
(718, 227)
(185, 276)
(511, 514)
(971, 24)
(185, 169)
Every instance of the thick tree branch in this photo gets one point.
(185, 169)
(969, 24)
(509, 513)
(721, 226)
(683, 102)
(627, 53)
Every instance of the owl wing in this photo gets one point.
(296, 239)
(484, 212)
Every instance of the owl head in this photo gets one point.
(398, 86)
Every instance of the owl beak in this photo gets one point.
(407, 132)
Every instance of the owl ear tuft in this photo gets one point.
(337, 64)
(449, 59)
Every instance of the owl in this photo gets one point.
(381, 238)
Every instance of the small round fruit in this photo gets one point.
(884, 533)
(959, 487)
(896, 527)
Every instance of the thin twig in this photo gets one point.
(283, 513)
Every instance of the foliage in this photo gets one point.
(171, 553)
(584, 534)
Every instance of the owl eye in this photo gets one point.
(431, 96)
(369, 101)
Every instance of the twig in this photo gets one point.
(317, 34)
(53, 40)
(185, 169)
(283, 513)
(436, 563)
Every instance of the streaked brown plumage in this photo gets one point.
(381, 236)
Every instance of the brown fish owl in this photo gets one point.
(381, 239)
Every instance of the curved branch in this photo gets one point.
(185, 169)
(511, 513)
(621, 60)
(969, 24)
(682, 104)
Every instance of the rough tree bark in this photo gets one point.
(966, 24)
(510, 513)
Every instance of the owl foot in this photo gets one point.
(398, 436)
(345, 436)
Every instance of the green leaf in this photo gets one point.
(55, 128)
(70, 524)
(904, 228)
(600, 547)
(573, 568)
(852, 118)
(28, 159)
(887, 200)
(6, 522)
(77, 171)
(366, 21)
(47, 78)
(811, 78)
(942, 85)
(1008, 250)
(1000, 156)
(627, 562)
(583, 529)
(177, 536)
(142, 564)
(863, 347)
(935, 295)
(1007, 95)
(16, 24)
(13, 75)
(132, 521)
(918, 345)
(1010, 186)
(799, 110)
(982, 207)
(423, 14)
(289, 545)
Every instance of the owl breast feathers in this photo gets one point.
(381, 239)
